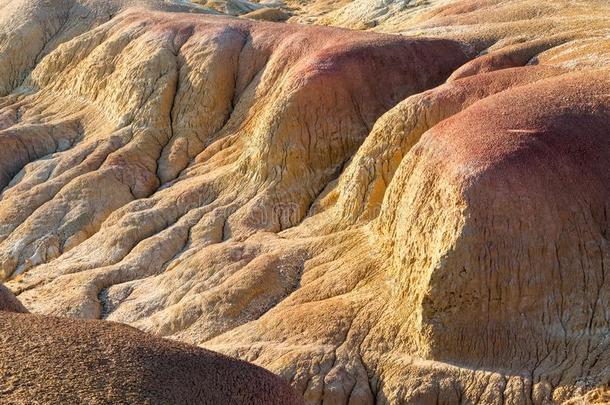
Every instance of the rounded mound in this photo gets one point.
(268, 14)
(60, 360)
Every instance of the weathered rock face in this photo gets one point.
(375, 217)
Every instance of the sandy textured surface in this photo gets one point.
(56, 360)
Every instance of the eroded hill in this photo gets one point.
(375, 217)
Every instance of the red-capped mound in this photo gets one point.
(511, 287)
(531, 164)
(547, 131)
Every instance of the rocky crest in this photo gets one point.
(377, 218)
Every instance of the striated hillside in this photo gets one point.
(416, 213)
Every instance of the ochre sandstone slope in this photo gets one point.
(378, 218)
(58, 360)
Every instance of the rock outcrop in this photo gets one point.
(378, 218)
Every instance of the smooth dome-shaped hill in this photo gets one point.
(59, 360)
(268, 14)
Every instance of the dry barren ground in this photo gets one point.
(405, 202)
